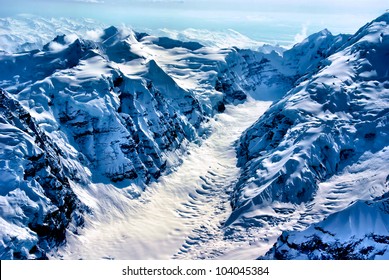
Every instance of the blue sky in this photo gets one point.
(278, 20)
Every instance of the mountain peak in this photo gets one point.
(384, 17)
(325, 31)
(157, 74)
(60, 39)
(109, 32)
(372, 32)
(322, 33)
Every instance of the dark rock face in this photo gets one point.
(46, 170)
(168, 43)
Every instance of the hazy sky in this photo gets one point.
(278, 20)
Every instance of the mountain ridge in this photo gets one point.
(308, 152)
(95, 122)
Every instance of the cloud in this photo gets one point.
(94, 35)
(302, 34)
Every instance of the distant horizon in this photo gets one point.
(279, 22)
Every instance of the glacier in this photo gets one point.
(119, 111)
(118, 144)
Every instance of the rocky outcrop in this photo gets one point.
(38, 194)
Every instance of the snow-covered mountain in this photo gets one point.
(38, 204)
(318, 159)
(27, 32)
(118, 111)
(219, 39)
(100, 129)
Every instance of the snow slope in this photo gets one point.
(120, 112)
(125, 121)
(180, 215)
(37, 202)
(115, 123)
(321, 153)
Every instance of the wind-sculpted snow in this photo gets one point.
(319, 151)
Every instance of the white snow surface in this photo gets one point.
(321, 153)
(175, 215)
(141, 136)
(120, 111)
